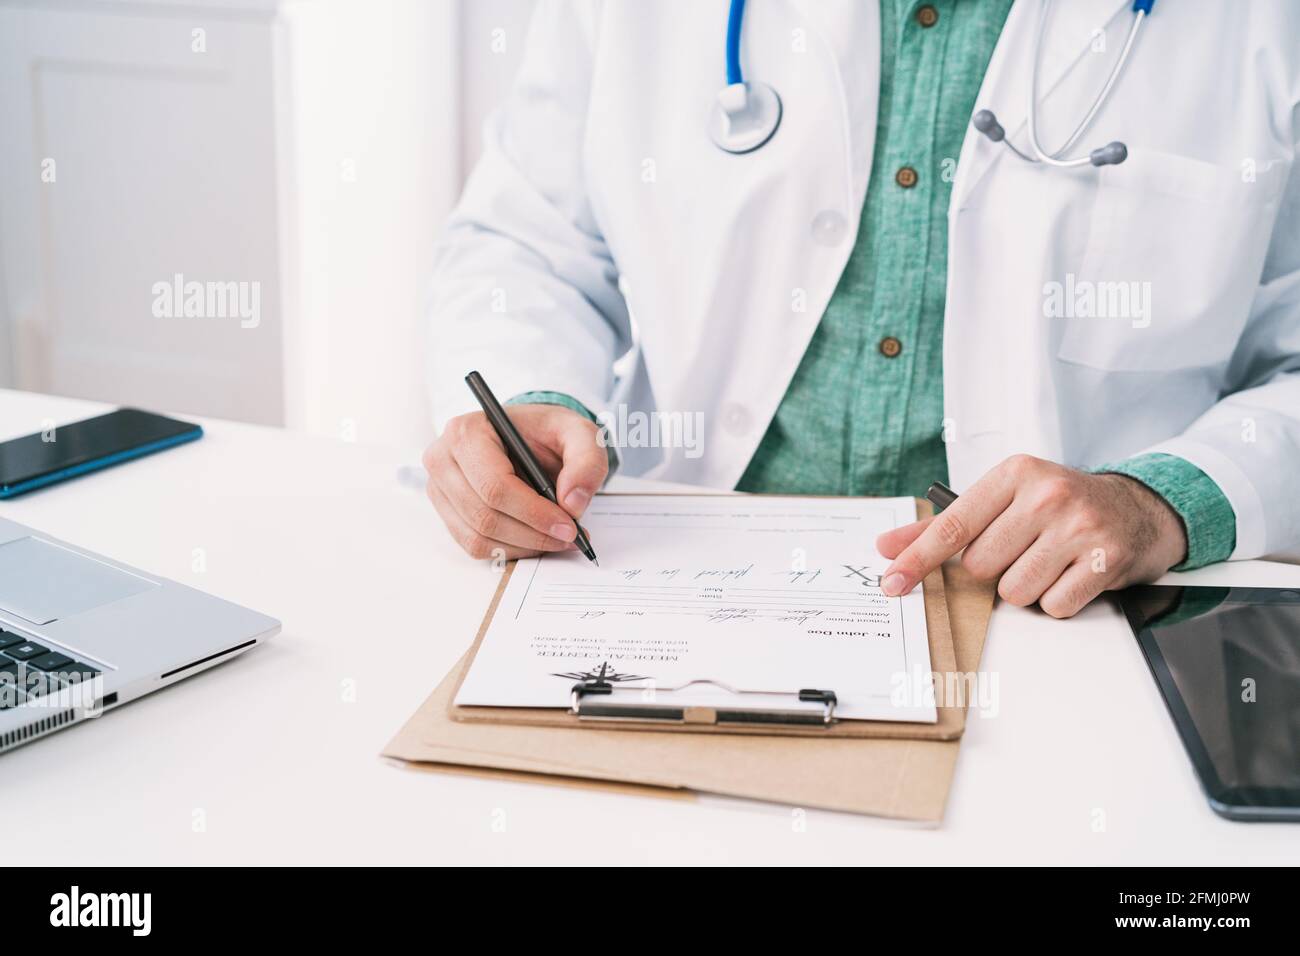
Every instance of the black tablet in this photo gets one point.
(1228, 663)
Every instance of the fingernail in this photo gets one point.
(565, 531)
(893, 584)
(576, 500)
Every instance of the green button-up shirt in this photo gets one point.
(873, 373)
(863, 414)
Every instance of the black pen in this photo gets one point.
(940, 495)
(521, 456)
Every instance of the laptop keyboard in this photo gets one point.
(29, 670)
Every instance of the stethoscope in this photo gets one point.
(746, 114)
(1109, 155)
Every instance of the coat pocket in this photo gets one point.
(1171, 266)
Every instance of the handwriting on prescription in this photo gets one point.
(863, 575)
(719, 599)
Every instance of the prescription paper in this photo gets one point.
(714, 601)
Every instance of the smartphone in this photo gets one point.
(67, 451)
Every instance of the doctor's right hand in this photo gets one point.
(492, 512)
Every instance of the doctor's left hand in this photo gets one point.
(1047, 533)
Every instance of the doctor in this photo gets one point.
(1082, 308)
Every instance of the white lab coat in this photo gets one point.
(600, 196)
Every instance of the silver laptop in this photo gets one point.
(80, 634)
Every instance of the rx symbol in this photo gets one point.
(868, 580)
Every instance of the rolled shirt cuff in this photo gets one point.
(1206, 513)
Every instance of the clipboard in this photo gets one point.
(587, 707)
(901, 779)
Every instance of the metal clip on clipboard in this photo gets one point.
(588, 700)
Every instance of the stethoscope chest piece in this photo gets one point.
(744, 117)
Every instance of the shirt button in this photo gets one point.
(927, 15)
(828, 228)
(906, 177)
(735, 419)
(890, 347)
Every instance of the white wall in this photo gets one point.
(315, 146)
(375, 167)
(140, 144)
(434, 70)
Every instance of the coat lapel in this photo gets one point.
(849, 31)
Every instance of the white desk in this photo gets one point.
(283, 769)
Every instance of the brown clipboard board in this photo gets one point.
(949, 725)
(904, 779)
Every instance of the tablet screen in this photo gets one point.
(1228, 663)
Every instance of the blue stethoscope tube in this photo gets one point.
(735, 16)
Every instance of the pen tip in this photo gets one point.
(595, 562)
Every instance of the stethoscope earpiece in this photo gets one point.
(1112, 154)
(988, 124)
